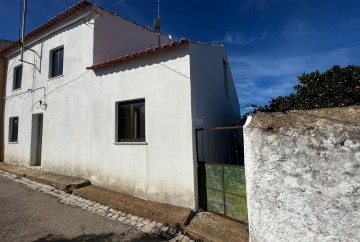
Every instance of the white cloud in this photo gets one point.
(238, 39)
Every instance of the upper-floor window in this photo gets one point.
(130, 121)
(13, 129)
(56, 62)
(17, 77)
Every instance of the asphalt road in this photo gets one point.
(29, 215)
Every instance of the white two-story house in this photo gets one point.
(97, 97)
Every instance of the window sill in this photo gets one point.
(55, 77)
(13, 142)
(130, 143)
(16, 90)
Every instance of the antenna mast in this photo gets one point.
(23, 20)
(157, 24)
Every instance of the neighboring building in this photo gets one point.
(3, 44)
(127, 124)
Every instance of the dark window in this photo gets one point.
(225, 67)
(130, 121)
(13, 129)
(17, 77)
(57, 61)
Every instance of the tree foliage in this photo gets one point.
(336, 87)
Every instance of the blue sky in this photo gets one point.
(269, 42)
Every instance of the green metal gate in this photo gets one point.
(221, 173)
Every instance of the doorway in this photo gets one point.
(36, 139)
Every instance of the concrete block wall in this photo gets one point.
(303, 175)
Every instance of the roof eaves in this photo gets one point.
(138, 54)
(55, 20)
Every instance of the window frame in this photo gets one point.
(118, 139)
(15, 78)
(51, 62)
(13, 138)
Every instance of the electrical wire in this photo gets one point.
(120, 2)
(66, 83)
(56, 88)
(107, 10)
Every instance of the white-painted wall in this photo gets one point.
(115, 37)
(79, 123)
(83, 145)
(78, 56)
(178, 85)
(210, 106)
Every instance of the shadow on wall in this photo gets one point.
(147, 60)
(98, 237)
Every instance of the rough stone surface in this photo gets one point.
(303, 175)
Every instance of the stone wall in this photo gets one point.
(303, 175)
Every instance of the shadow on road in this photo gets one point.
(107, 237)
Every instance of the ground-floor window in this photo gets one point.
(13, 129)
(130, 121)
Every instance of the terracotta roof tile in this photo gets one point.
(135, 55)
(146, 52)
(60, 17)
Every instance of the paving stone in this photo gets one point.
(185, 239)
(164, 228)
(165, 235)
(152, 224)
(172, 231)
(156, 231)
(158, 225)
(127, 221)
(121, 219)
(146, 229)
(133, 222)
(146, 221)
(179, 237)
(134, 217)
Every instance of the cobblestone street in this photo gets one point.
(48, 214)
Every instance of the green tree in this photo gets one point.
(336, 87)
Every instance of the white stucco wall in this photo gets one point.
(115, 37)
(210, 106)
(77, 56)
(79, 123)
(82, 144)
(183, 88)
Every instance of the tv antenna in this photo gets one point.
(156, 27)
